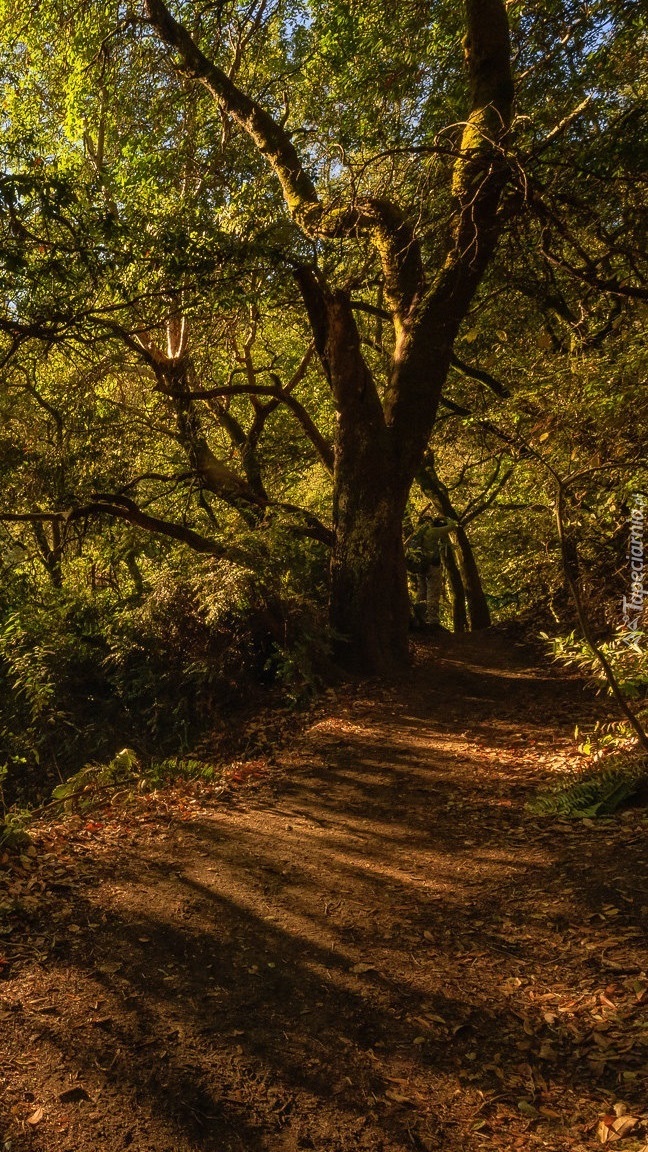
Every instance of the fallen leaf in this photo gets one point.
(604, 1130)
(624, 1125)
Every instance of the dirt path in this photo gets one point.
(374, 948)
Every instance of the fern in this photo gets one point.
(81, 789)
(600, 793)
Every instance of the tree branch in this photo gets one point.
(378, 218)
(480, 172)
(125, 509)
(472, 513)
(479, 374)
(273, 141)
(324, 449)
(559, 128)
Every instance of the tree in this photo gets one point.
(380, 442)
(315, 236)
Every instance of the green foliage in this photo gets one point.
(598, 792)
(14, 836)
(159, 668)
(89, 784)
(300, 668)
(13, 822)
(176, 768)
(50, 678)
(626, 654)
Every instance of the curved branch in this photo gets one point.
(324, 449)
(480, 374)
(127, 510)
(472, 513)
(313, 525)
(271, 139)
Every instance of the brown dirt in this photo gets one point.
(371, 947)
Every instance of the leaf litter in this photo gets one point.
(177, 966)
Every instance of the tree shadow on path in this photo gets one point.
(385, 954)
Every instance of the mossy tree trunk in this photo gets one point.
(456, 590)
(369, 599)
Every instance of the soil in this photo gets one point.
(366, 945)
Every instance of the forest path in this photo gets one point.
(372, 948)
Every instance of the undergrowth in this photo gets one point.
(162, 667)
(601, 790)
(615, 770)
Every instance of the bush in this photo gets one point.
(627, 657)
(84, 672)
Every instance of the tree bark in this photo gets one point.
(478, 611)
(456, 589)
(473, 592)
(51, 553)
(369, 599)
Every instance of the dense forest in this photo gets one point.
(279, 280)
(322, 351)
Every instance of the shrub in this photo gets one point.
(85, 672)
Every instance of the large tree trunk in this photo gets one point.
(369, 605)
(369, 598)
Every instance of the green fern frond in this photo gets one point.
(600, 793)
(80, 790)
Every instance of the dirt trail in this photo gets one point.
(374, 948)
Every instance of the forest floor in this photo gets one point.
(366, 945)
